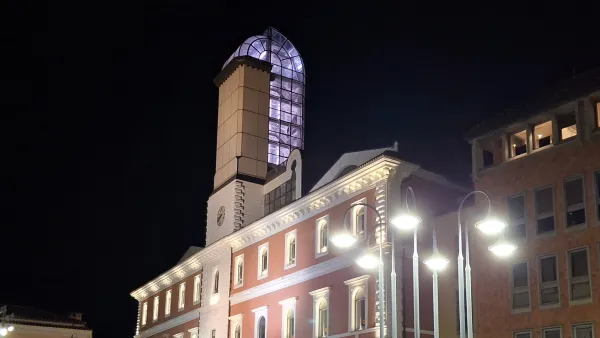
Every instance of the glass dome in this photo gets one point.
(286, 113)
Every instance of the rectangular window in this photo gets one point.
(597, 114)
(567, 126)
(181, 296)
(518, 143)
(554, 332)
(597, 188)
(544, 210)
(574, 202)
(360, 320)
(522, 334)
(359, 219)
(322, 331)
(213, 333)
(197, 289)
(239, 270)
(583, 331)
(144, 313)
(579, 275)
(520, 286)
(548, 275)
(168, 304)
(516, 210)
(155, 309)
(542, 134)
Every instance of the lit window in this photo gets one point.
(579, 276)
(216, 282)
(554, 332)
(597, 114)
(262, 327)
(155, 309)
(549, 293)
(289, 324)
(597, 179)
(360, 221)
(575, 202)
(321, 240)
(516, 210)
(181, 296)
(237, 332)
(239, 270)
(197, 290)
(522, 334)
(567, 126)
(542, 135)
(544, 210)
(290, 249)
(168, 303)
(144, 313)
(583, 331)
(520, 287)
(322, 320)
(518, 143)
(263, 261)
(359, 309)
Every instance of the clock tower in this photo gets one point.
(260, 124)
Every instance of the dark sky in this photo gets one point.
(110, 132)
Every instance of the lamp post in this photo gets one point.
(4, 330)
(436, 263)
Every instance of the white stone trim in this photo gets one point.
(237, 283)
(318, 222)
(145, 313)
(319, 296)
(288, 236)
(178, 335)
(259, 273)
(168, 302)
(193, 332)
(294, 278)
(197, 291)
(361, 282)
(261, 312)
(181, 300)
(176, 321)
(155, 308)
(286, 306)
(334, 193)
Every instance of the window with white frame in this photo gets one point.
(236, 326)
(360, 220)
(290, 249)
(579, 275)
(216, 282)
(168, 303)
(289, 324)
(193, 332)
(548, 276)
(263, 261)
(358, 302)
(553, 332)
(288, 312)
(522, 334)
(520, 287)
(583, 330)
(262, 327)
(181, 298)
(567, 126)
(197, 290)
(237, 333)
(213, 333)
(239, 270)
(518, 143)
(155, 309)
(144, 313)
(516, 210)
(322, 236)
(597, 189)
(542, 134)
(574, 202)
(544, 210)
(320, 312)
(260, 322)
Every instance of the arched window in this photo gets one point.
(323, 236)
(322, 319)
(239, 272)
(289, 324)
(238, 332)
(216, 282)
(262, 328)
(359, 309)
(360, 221)
(292, 250)
(264, 261)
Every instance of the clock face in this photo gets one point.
(221, 216)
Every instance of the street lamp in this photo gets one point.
(408, 220)
(436, 263)
(4, 330)
(502, 248)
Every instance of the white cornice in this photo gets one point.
(184, 318)
(325, 197)
(320, 292)
(33, 330)
(297, 277)
(357, 281)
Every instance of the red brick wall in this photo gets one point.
(491, 275)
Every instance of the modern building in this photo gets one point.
(541, 164)
(29, 322)
(268, 268)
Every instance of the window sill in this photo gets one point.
(196, 302)
(321, 254)
(549, 306)
(575, 228)
(181, 309)
(263, 275)
(238, 285)
(167, 315)
(546, 234)
(580, 301)
(519, 311)
(289, 266)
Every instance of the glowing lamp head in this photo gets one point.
(502, 248)
(343, 239)
(406, 221)
(491, 226)
(11, 328)
(3, 331)
(367, 261)
(437, 262)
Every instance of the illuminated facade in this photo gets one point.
(268, 269)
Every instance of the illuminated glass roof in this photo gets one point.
(285, 58)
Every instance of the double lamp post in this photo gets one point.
(408, 220)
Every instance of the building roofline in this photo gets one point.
(239, 61)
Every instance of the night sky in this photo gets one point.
(109, 118)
